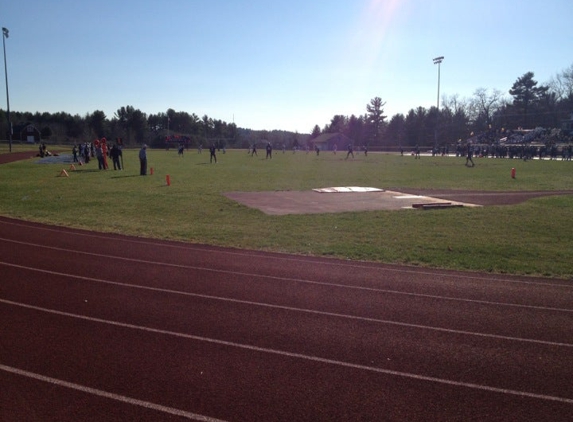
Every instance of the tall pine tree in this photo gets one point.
(526, 95)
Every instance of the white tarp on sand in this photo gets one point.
(347, 189)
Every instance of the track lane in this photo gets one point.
(293, 387)
(419, 349)
(282, 347)
(326, 272)
(437, 311)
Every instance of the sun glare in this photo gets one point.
(370, 39)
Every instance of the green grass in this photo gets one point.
(534, 238)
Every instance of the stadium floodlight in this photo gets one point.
(437, 61)
(5, 33)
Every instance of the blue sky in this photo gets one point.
(281, 64)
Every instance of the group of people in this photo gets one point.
(102, 153)
(252, 151)
(43, 150)
(83, 152)
(525, 152)
(98, 149)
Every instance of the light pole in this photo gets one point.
(4, 36)
(437, 60)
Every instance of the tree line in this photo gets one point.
(132, 125)
(488, 112)
(529, 105)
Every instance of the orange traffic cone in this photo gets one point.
(64, 173)
(168, 180)
(72, 167)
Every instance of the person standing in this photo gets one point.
(104, 150)
(115, 153)
(269, 150)
(119, 144)
(350, 151)
(143, 160)
(99, 156)
(86, 153)
(213, 155)
(469, 156)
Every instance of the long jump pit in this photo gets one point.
(339, 199)
(352, 198)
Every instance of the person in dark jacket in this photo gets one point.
(115, 153)
(212, 152)
(143, 160)
(469, 157)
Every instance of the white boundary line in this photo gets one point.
(274, 255)
(271, 277)
(302, 310)
(304, 357)
(107, 395)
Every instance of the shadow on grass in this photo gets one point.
(77, 171)
(99, 171)
(127, 175)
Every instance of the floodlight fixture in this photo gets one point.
(438, 60)
(5, 33)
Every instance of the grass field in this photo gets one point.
(534, 238)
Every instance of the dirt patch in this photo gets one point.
(311, 202)
(487, 198)
(16, 156)
(56, 157)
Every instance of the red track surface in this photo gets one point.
(98, 327)
(16, 156)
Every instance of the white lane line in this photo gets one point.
(276, 255)
(107, 395)
(295, 309)
(300, 356)
(296, 280)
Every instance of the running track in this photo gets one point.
(99, 327)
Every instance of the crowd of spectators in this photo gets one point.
(524, 144)
(525, 152)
